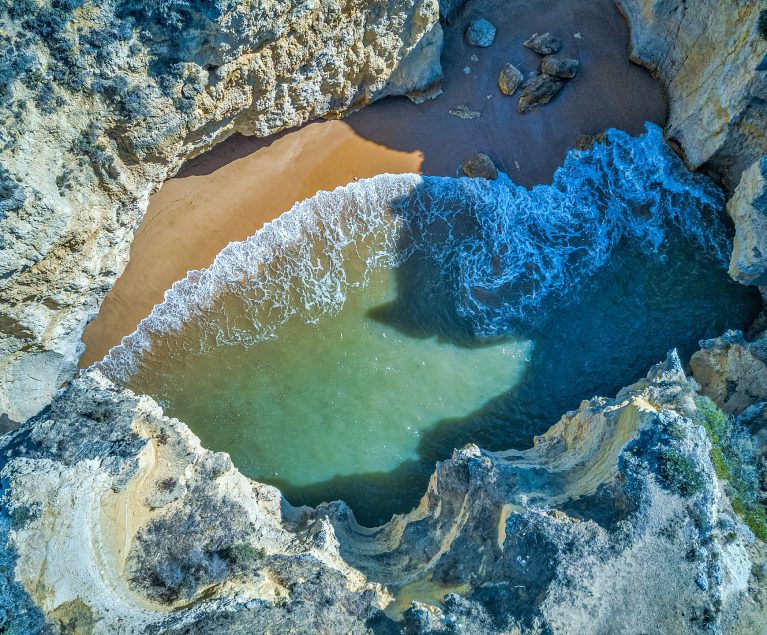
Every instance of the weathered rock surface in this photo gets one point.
(101, 103)
(731, 371)
(544, 44)
(559, 66)
(712, 57)
(480, 166)
(538, 91)
(114, 517)
(510, 79)
(480, 33)
(748, 210)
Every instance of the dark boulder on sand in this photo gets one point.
(480, 33)
(539, 90)
(480, 166)
(544, 44)
(510, 79)
(559, 66)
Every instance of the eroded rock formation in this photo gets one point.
(117, 518)
(101, 103)
(748, 210)
(712, 57)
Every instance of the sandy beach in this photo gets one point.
(227, 195)
(608, 92)
(230, 192)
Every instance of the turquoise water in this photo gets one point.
(348, 346)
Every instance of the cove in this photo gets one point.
(347, 346)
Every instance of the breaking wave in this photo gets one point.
(501, 248)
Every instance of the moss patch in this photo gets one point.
(680, 473)
(734, 459)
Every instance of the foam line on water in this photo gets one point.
(502, 248)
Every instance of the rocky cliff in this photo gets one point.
(101, 102)
(711, 56)
(117, 521)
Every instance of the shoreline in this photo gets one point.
(217, 199)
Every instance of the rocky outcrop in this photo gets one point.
(748, 210)
(732, 371)
(115, 518)
(101, 103)
(712, 58)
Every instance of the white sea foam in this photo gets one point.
(501, 247)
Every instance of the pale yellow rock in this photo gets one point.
(748, 210)
(712, 58)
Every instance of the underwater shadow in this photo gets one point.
(587, 341)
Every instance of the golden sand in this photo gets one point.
(192, 218)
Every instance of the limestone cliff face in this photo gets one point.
(712, 57)
(115, 520)
(100, 103)
(748, 210)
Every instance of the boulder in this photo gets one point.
(480, 33)
(544, 44)
(539, 90)
(559, 66)
(480, 166)
(510, 79)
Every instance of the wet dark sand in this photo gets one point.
(608, 92)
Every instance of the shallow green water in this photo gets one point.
(345, 396)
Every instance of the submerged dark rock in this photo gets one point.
(480, 166)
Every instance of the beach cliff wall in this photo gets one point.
(712, 58)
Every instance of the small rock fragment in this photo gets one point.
(480, 33)
(545, 44)
(510, 79)
(464, 112)
(428, 93)
(559, 66)
(540, 90)
(480, 166)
